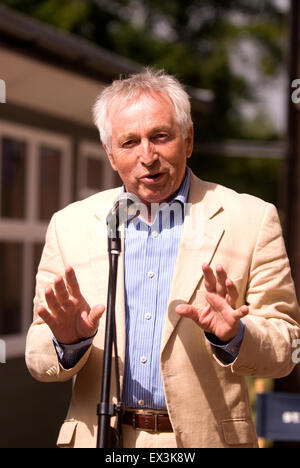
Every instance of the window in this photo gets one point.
(49, 189)
(35, 181)
(11, 254)
(94, 170)
(13, 174)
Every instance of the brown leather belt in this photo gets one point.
(151, 422)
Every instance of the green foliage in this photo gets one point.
(194, 39)
(256, 176)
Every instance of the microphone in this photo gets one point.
(126, 207)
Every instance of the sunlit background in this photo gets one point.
(55, 57)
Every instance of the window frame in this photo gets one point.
(30, 230)
(88, 149)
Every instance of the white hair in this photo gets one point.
(131, 88)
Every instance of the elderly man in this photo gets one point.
(202, 300)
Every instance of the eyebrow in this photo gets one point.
(161, 128)
(127, 136)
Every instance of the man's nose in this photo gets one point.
(148, 154)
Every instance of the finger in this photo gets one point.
(61, 292)
(205, 311)
(209, 278)
(72, 283)
(204, 319)
(188, 310)
(199, 316)
(45, 315)
(232, 293)
(221, 280)
(52, 302)
(95, 315)
(241, 312)
(217, 302)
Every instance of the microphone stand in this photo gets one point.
(105, 409)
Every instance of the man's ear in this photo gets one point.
(110, 157)
(189, 141)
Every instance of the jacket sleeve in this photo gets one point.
(40, 355)
(272, 325)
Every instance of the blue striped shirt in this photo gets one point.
(150, 256)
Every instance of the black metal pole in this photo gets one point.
(106, 409)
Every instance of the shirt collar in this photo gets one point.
(183, 192)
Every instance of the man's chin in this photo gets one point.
(155, 199)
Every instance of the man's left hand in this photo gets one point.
(219, 316)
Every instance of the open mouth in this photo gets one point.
(151, 178)
(154, 176)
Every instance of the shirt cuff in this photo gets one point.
(70, 354)
(228, 352)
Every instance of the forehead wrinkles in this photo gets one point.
(123, 102)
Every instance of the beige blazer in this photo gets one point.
(208, 401)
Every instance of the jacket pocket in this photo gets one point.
(238, 432)
(66, 433)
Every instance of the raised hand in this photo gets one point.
(70, 317)
(219, 315)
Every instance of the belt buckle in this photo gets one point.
(153, 431)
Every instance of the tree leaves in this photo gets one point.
(194, 39)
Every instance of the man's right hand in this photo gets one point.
(69, 316)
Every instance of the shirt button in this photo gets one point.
(141, 402)
(147, 316)
(143, 359)
(150, 274)
(154, 234)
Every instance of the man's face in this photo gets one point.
(147, 147)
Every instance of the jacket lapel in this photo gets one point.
(202, 233)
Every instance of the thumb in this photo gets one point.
(241, 312)
(188, 310)
(95, 315)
